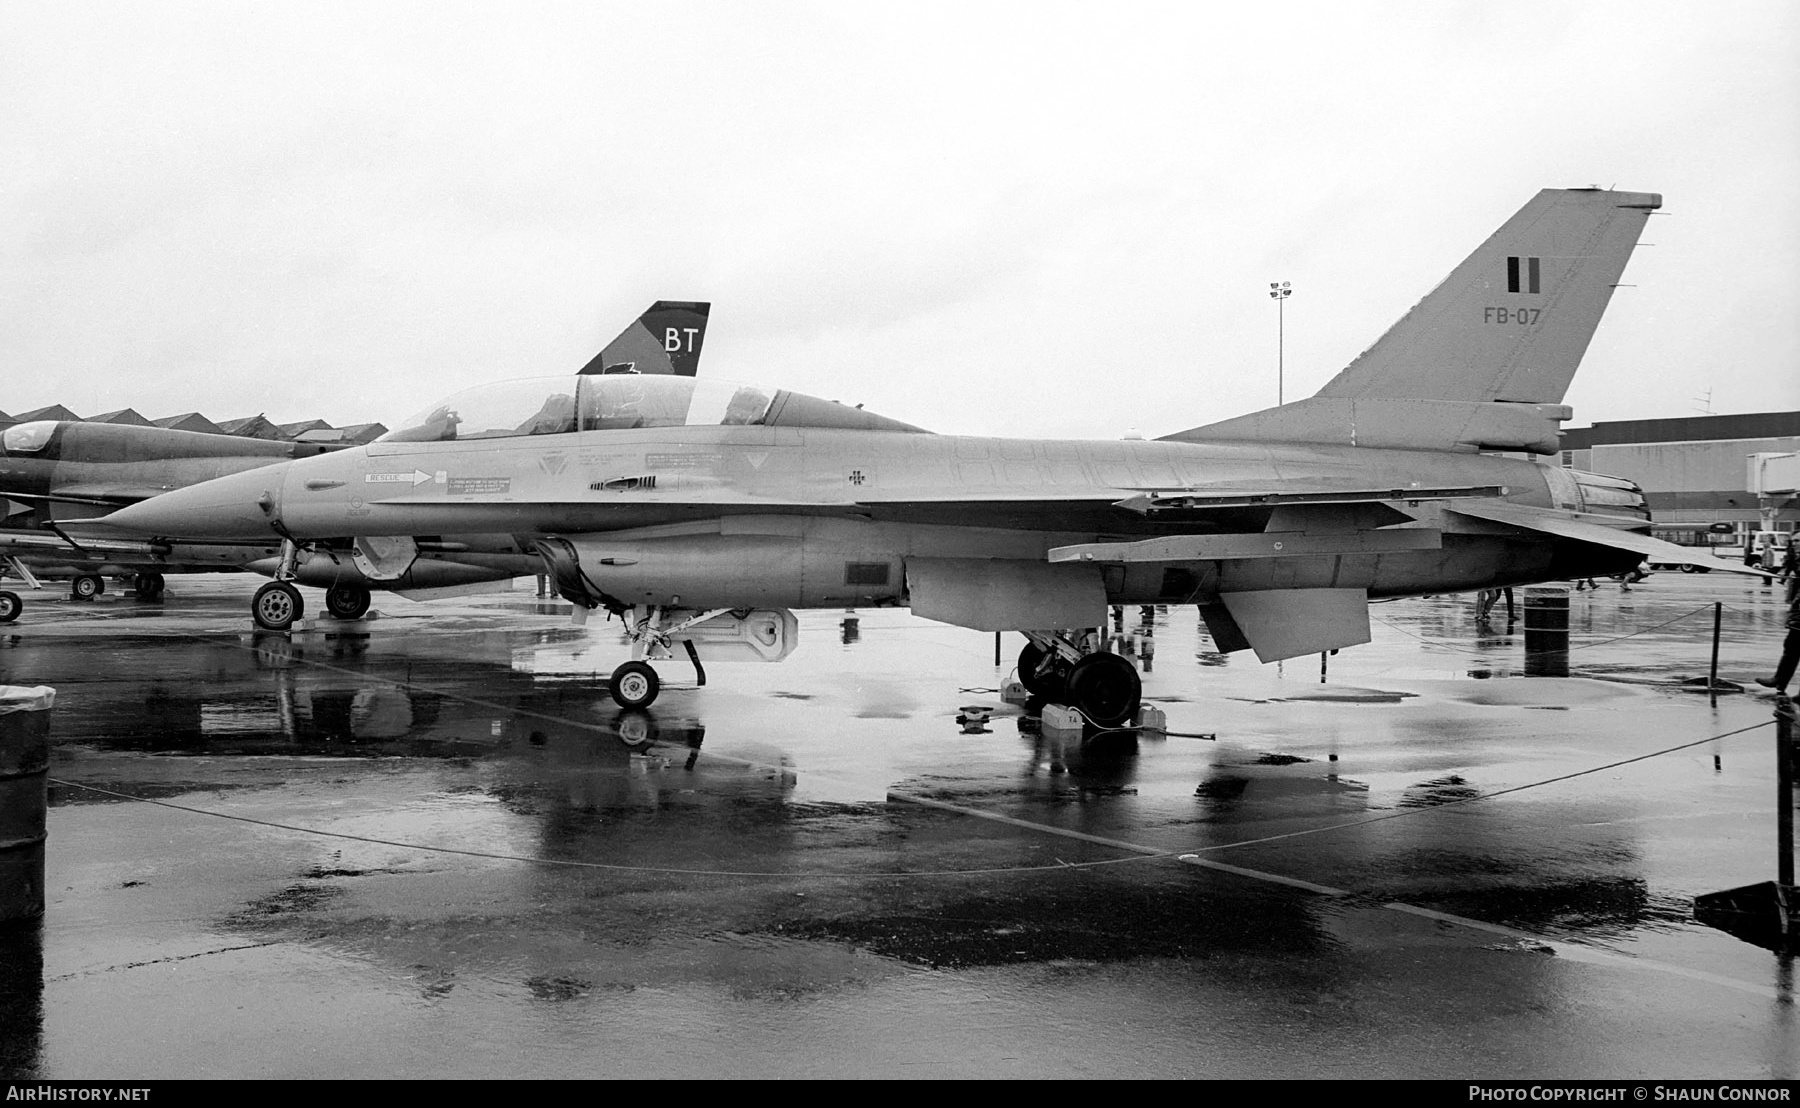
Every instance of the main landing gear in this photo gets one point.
(10, 606)
(86, 586)
(1068, 668)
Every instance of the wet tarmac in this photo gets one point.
(429, 845)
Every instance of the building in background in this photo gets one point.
(1695, 471)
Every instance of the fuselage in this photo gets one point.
(804, 517)
(105, 464)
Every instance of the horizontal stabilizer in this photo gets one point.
(1287, 623)
(1597, 529)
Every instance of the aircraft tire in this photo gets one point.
(1690, 568)
(634, 685)
(1049, 686)
(276, 606)
(148, 586)
(347, 601)
(1106, 688)
(10, 606)
(86, 587)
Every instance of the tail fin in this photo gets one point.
(1483, 361)
(1513, 320)
(665, 339)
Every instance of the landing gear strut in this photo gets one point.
(634, 684)
(277, 604)
(1066, 668)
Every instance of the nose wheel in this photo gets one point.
(276, 606)
(635, 685)
(10, 606)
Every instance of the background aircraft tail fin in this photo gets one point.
(1513, 320)
(665, 339)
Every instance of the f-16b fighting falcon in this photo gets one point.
(702, 512)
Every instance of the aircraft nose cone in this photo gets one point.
(241, 506)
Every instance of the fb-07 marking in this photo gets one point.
(1524, 317)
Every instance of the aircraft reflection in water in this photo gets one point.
(71, 470)
(535, 736)
(702, 512)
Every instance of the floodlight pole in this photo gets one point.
(1279, 291)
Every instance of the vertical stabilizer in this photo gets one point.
(665, 339)
(1513, 320)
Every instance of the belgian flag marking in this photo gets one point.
(1522, 275)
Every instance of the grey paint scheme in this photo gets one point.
(1281, 525)
(760, 516)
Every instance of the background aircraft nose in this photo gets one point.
(240, 506)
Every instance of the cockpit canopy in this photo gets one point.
(27, 438)
(562, 405)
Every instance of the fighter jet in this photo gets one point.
(702, 512)
(66, 470)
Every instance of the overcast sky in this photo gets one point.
(1013, 218)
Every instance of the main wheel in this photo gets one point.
(86, 587)
(1039, 679)
(10, 606)
(147, 586)
(635, 685)
(347, 601)
(1106, 688)
(276, 606)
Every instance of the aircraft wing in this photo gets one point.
(1600, 530)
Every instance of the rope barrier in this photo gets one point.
(929, 802)
(1441, 644)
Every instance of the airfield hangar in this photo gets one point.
(1693, 469)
